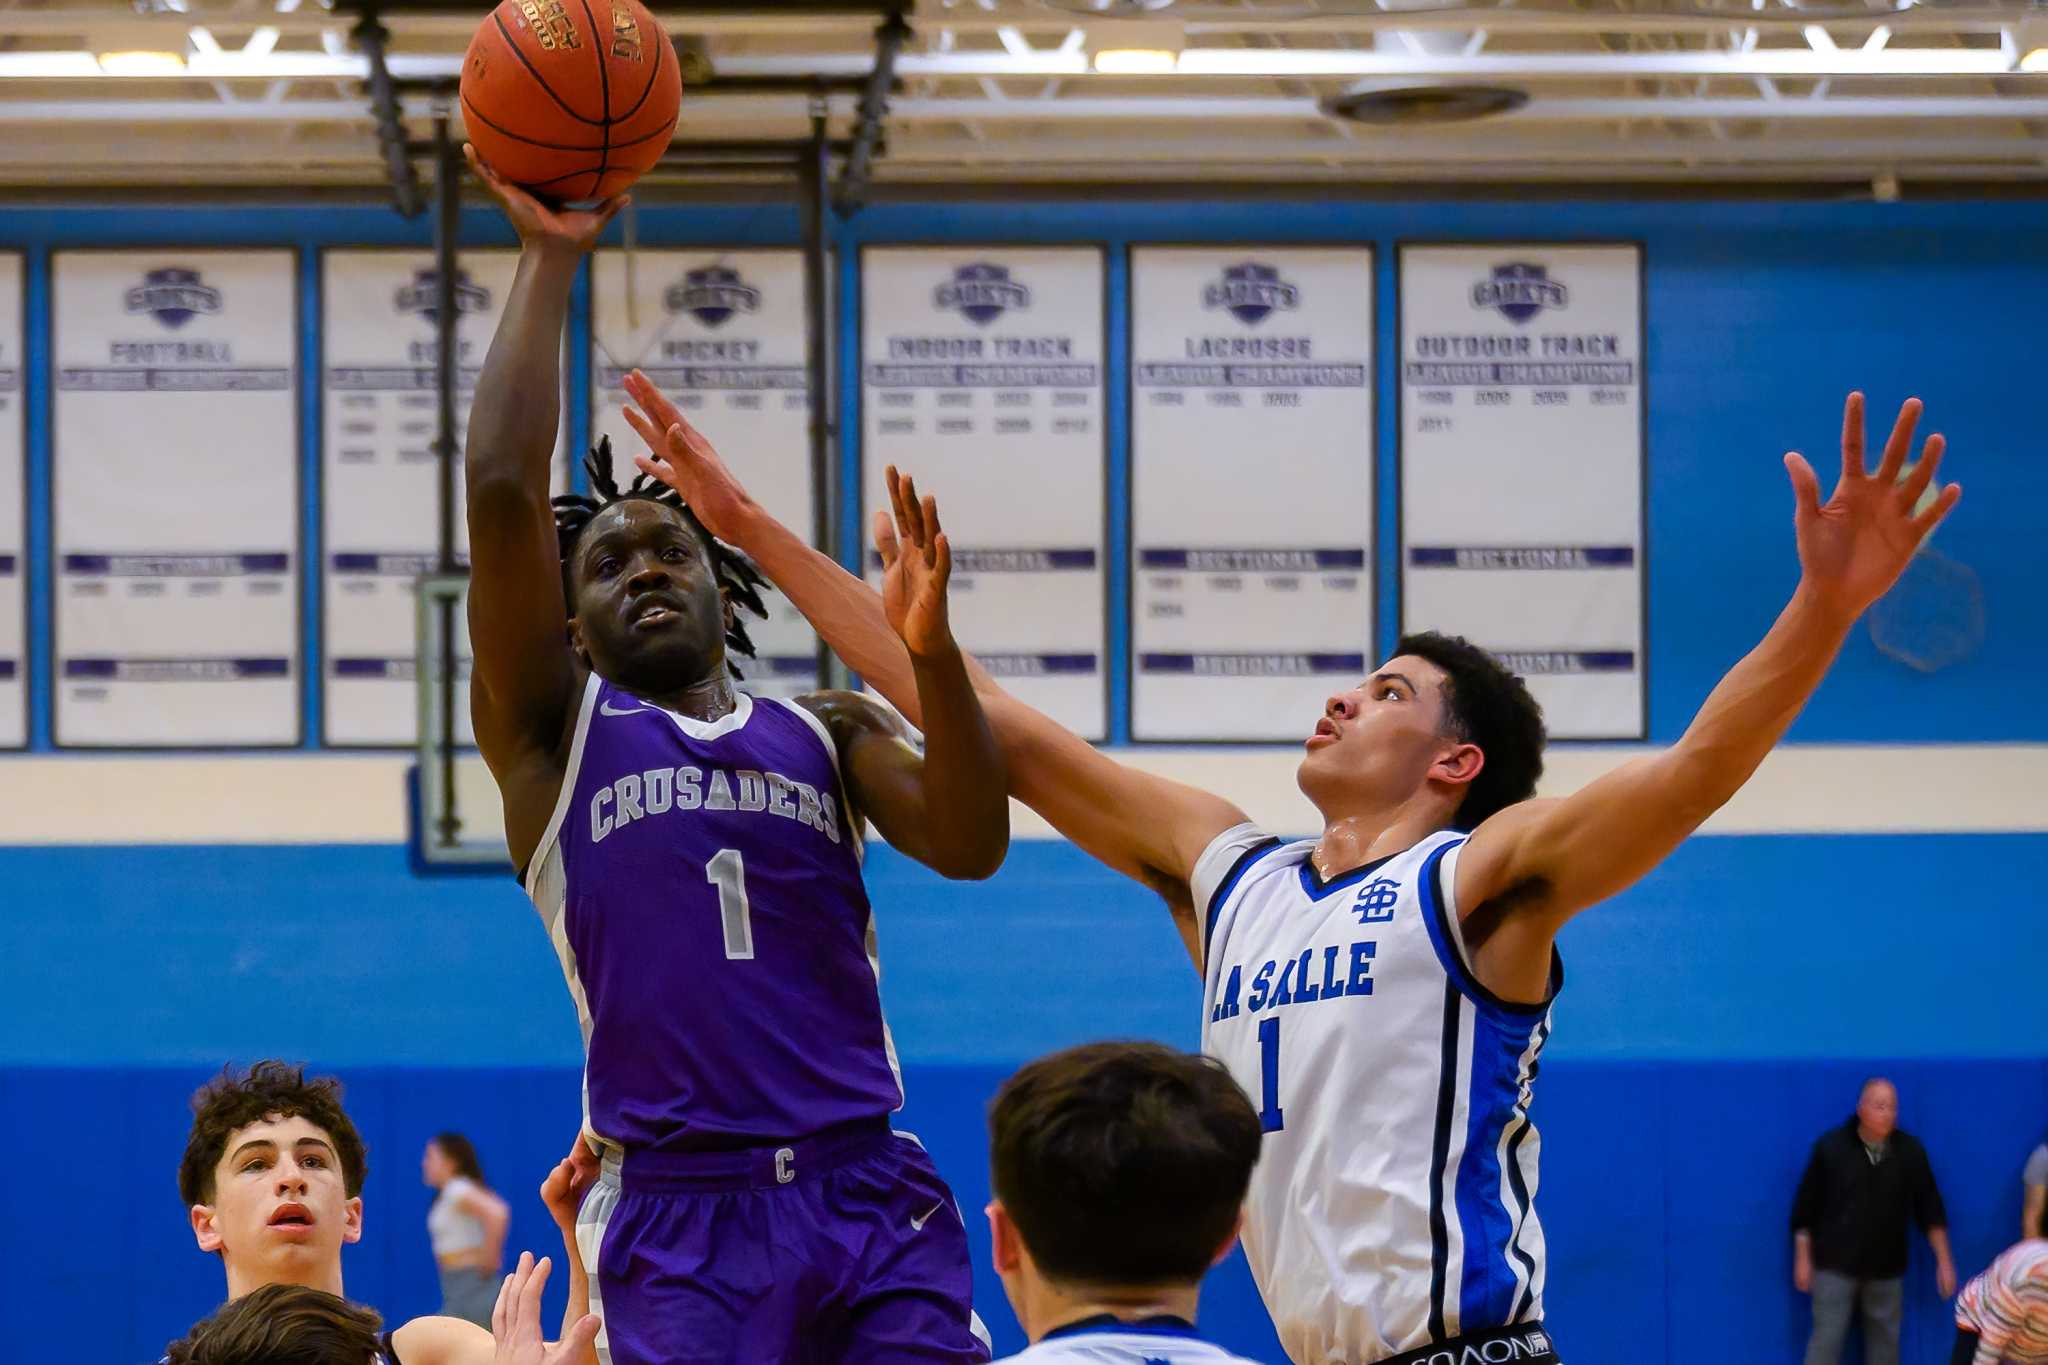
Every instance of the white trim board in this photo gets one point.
(360, 798)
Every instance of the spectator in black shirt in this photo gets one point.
(1863, 1182)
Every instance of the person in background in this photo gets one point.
(2034, 1180)
(1120, 1172)
(1863, 1183)
(2002, 1315)
(467, 1225)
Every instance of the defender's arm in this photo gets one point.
(1147, 827)
(1550, 859)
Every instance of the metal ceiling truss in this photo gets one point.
(1006, 91)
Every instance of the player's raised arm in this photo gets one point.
(1145, 826)
(1552, 858)
(524, 687)
(948, 807)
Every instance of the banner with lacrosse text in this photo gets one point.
(381, 482)
(723, 334)
(175, 477)
(982, 375)
(13, 525)
(1251, 487)
(1522, 468)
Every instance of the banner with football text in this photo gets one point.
(1522, 468)
(175, 478)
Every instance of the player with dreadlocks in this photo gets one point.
(694, 853)
(739, 582)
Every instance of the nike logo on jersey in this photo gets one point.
(917, 1224)
(1297, 983)
(608, 709)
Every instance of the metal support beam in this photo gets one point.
(447, 218)
(874, 108)
(370, 37)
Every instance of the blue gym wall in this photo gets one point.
(1716, 1018)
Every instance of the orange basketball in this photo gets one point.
(573, 99)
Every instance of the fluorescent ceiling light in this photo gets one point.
(1136, 61)
(2035, 60)
(142, 63)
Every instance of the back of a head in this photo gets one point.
(1123, 1164)
(1487, 705)
(283, 1324)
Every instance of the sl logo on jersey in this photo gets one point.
(1376, 901)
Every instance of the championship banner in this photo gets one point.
(982, 375)
(1522, 468)
(723, 334)
(13, 529)
(380, 503)
(1251, 488)
(175, 469)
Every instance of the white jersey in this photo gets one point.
(1392, 1203)
(1125, 1343)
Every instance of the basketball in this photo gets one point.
(571, 99)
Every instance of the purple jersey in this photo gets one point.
(701, 884)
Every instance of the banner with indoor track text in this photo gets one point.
(723, 334)
(13, 526)
(982, 375)
(1522, 468)
(175, 477)
(1251, 487)
(380, 494)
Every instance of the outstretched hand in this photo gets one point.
(515, 1322)
(681, 457)
(1854, 546)
(537, 223)
(917, 564)
(562, 1192)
